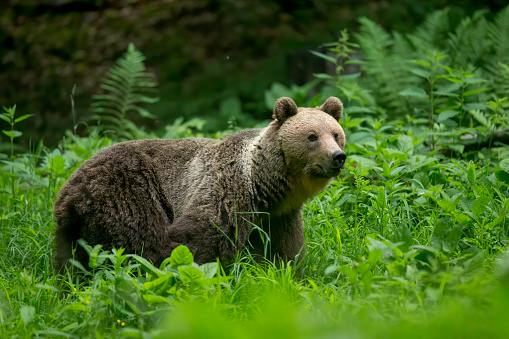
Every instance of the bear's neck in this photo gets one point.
(276, 189)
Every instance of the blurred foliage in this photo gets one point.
(208, 56)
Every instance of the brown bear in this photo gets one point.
(214, 196)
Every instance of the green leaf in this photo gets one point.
(480, 117)
(474, 91)
(445, 236)
(12, 134)
(349, 272)
(57, 164)
(471, 175)
(23, 117)
(446, 205)
(446, 115)
(365, 163)
(474, 106)
(422, 63)
(451, 79)
(147, 266)
(324, 56)
(359, 109)
(416, 92)
(181, 255)
(157, 284)
(209, 269)
(381, 197)
(361, 138)
(403, 234)
(343, 199)
(502, 175)
(190, 274)
(504, 164)
(5, 118)
(323, 76)
(156, 299)
(480, 205)
(27, 313)
(405, 143)
(420, 72)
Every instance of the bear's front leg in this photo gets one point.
(287, 236)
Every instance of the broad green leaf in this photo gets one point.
(474, 106)
(502, 175)
(480, 205)
(504, 164)
(12, 134)
(156, 299)
(27, 313)
(159, 283)
(403, 234)
(359, 109)
(405, 143)
(480, 117)
(349, 272)
(420, 72)
(209, 270)
(190, 274)
(461, 217)
(181, 255)
(446, 205)
(446, 115)
(446, 235)
(361, 138)
(57, 164)
(457, 147)
(474, 91)
(416, 92)
(474, 80)
(365, 163)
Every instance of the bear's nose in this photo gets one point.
(339, 158)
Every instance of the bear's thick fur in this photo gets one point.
(149, 196)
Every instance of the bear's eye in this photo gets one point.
(336, 136)
(312, 137)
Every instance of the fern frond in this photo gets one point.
(127, 85)
(432, 33)
(498, 33)
(386, 66)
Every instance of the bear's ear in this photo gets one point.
(284, 108)
(333, 106)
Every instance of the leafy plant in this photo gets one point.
(127, 85)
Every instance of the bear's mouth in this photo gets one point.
(329, 172)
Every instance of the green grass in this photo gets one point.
(411, 247)
(410, 241)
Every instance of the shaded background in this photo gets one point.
(212, 59)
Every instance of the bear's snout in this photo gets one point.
(339, 158)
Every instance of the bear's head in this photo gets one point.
(311, 139)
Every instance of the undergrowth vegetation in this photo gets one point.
(410, 240)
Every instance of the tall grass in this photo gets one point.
(410, 240)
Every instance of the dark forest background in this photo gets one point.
(212, 59)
